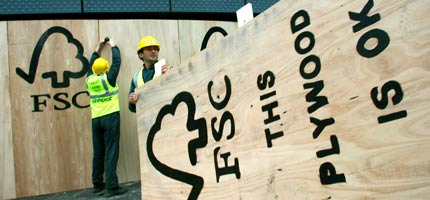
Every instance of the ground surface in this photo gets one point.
(133, 193)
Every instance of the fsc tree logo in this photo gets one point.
(62, 99)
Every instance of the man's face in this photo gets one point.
(150, 54)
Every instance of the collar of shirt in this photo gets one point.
(150, 67)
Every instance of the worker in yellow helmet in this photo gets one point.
(104, 101)
(147, 51)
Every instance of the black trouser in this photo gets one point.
(106, 132)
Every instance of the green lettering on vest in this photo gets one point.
(101, 100)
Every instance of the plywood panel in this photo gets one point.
(50, 106)
(7, 182)
(192, 35)
(323, 107)
(127, 34)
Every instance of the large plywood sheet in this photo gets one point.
(311, 100)
(7, 186)
(50, 106)
(127, 34)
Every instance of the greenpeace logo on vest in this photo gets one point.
(101, 100)
(61, 99)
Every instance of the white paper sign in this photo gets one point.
(158, 66)
(244, 15)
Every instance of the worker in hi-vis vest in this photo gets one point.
(147, 51)
(104, 101)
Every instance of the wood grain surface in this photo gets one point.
(49, 119)
(51, 123)
(310, 100)
(7, 186)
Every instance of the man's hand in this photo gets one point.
(111, 42)
(132, 98)
(165, 68)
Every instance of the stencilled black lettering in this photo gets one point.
(297, 43)
(38, 102)
(58, 98)
(223, 103)
(226, 116)
(378, 34)
(334, 150)
(312, 96)
(327, 170)
(217, 135)
(295, 26)
(364, 20)
(266, 81)
(316, 70)
(75, 101)
(328, 174)
(269, 109)
(321, 124)
(382, 102)
(272, 136)
(227, 169)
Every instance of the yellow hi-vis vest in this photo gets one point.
(104, 97)
(138, 79)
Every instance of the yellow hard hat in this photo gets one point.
(147, 41)
(100, 66)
